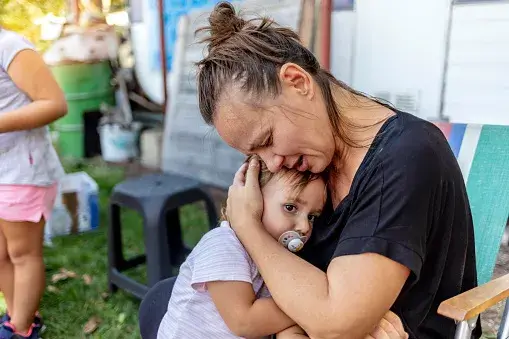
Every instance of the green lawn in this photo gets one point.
(69, 304)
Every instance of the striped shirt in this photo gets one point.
(219, 256)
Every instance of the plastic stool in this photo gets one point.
(157, 197)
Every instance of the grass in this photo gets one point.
(69, 304)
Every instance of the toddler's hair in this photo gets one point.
(297, 180)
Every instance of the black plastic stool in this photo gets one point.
(157, 197)
(153, 308)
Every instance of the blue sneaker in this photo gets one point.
(4, 318)
(37, 321)
(7, 332)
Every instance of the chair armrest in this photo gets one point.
(471, 303)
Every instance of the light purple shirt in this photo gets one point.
(219, 256)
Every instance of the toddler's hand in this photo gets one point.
(245, 202)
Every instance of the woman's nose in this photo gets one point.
(273, 161)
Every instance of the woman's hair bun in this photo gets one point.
(224, 21)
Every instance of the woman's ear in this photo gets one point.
(293, 76)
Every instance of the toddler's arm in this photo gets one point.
(245, 315)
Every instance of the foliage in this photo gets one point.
(19, 15)
(117, 5)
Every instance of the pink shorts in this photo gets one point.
(26, 203)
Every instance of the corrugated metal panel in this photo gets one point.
(477, 78)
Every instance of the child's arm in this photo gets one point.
(245, 315)
(31, 75)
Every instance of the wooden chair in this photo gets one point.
(483, 155)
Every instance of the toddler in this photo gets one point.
(219, 292)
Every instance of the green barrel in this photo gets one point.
(86, 86)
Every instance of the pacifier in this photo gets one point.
(292, 241)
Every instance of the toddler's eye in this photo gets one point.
(290, 208)
(312, 218)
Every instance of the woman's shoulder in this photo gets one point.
(415, 151)
(416, 141)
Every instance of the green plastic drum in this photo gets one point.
(86, 86)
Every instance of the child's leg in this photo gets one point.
(6, 272)
(24, 245)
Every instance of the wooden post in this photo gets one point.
(73, 8)
(326, 12)
(162, 46)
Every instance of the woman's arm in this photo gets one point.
(390, 327)
(245, 315)
(346, 302)
(31, 75)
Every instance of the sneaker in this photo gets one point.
(7, 331)
(4, 318)
(37, 321)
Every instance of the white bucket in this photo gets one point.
(119, 144)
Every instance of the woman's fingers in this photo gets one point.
(253, 172)
(379, 333)
(389, 330)
(396, 323)
(240, 176)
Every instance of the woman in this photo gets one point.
(398, 212)
(30, 99)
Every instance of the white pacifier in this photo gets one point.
(292, 241)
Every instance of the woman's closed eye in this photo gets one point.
(268, 141)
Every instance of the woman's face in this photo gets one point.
(292, 130)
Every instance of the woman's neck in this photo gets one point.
(361, 120)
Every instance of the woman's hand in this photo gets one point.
(390, 327)
(245, 202)
(294, 332)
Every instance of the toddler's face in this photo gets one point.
(283, 211)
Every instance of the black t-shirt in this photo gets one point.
(407, 202)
